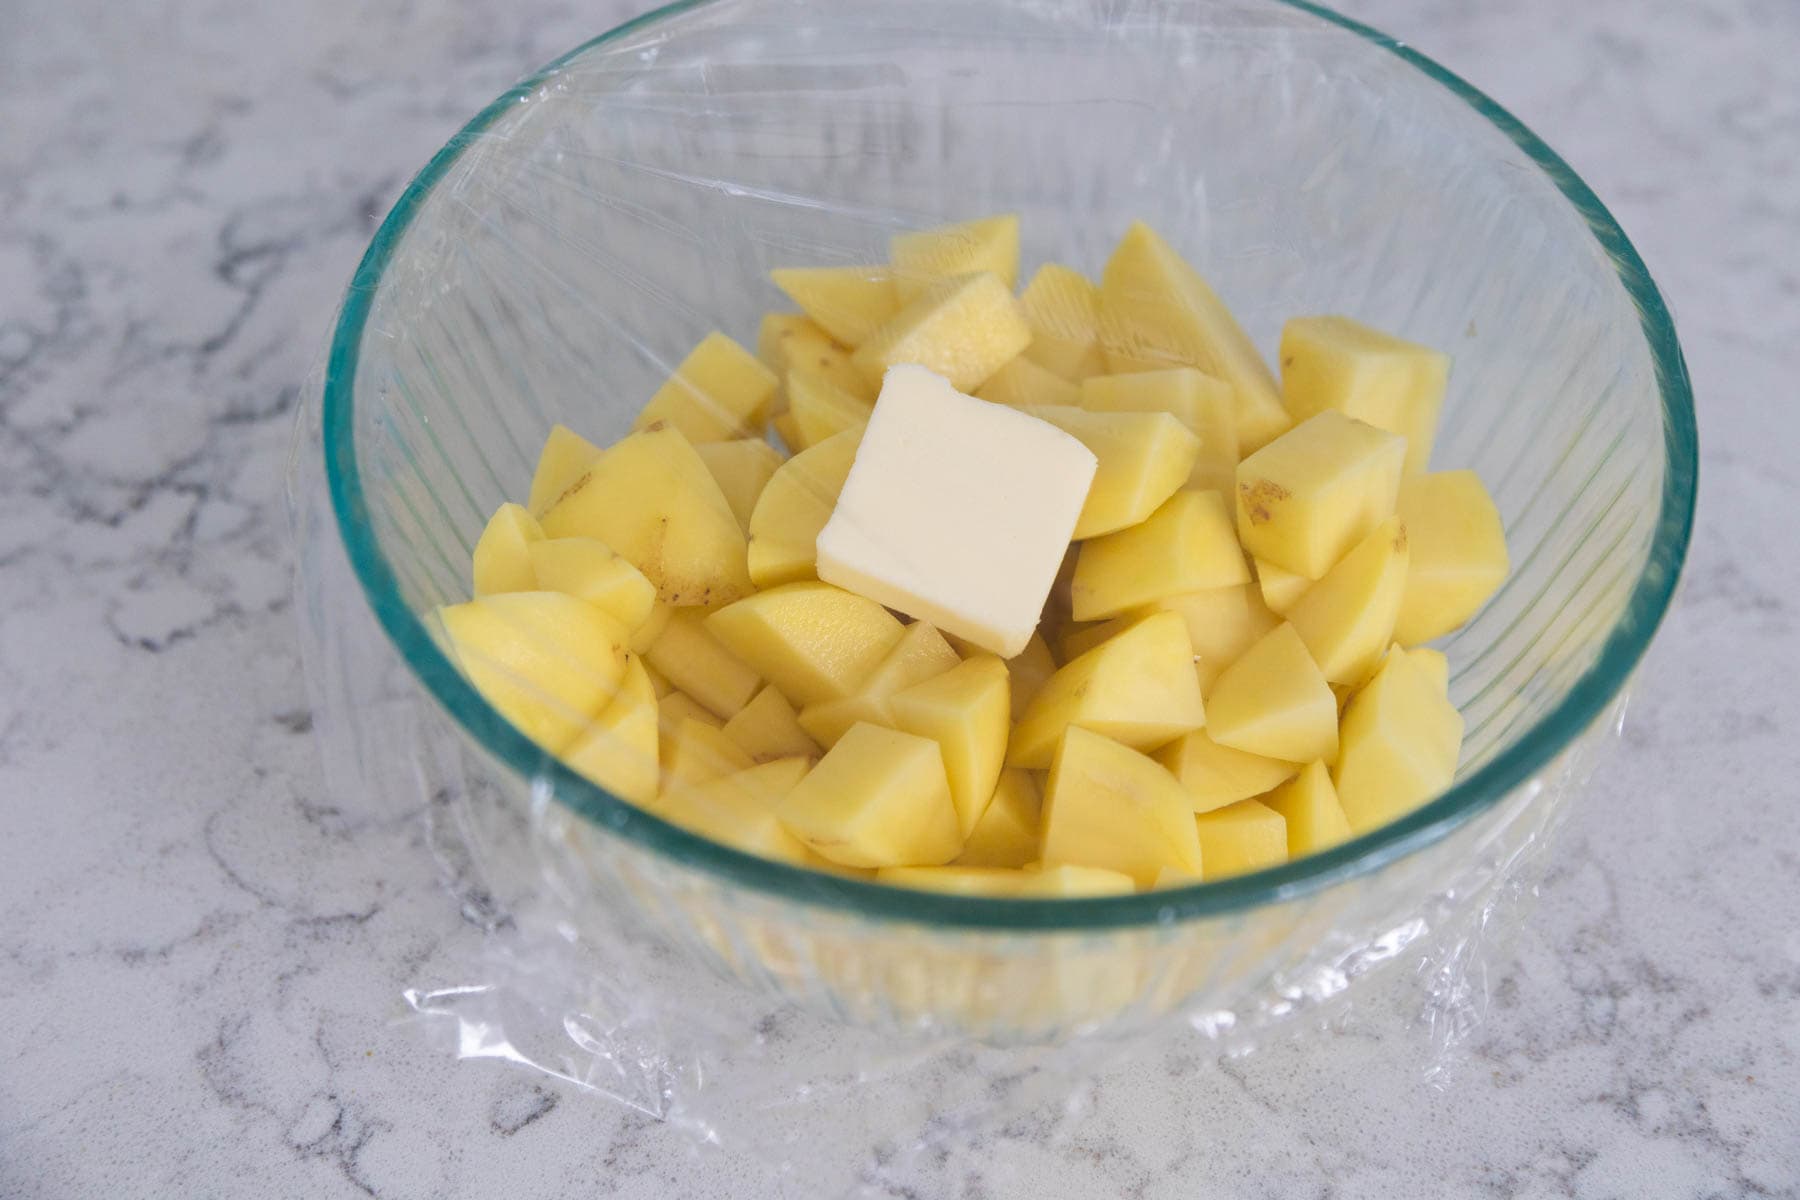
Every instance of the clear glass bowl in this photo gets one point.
(556, 258)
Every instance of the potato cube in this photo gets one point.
(920, 654)
(691, 658)
(1078, 637)
(1347, 618)
(1340, 364)
(1216, 775)
(1006, 834)
(565, 457)
(1144, 458)
(921, 259)
(1281, 589)
(1062, 306)
(1108, 806)
(1240, 838)
(967, 711)
(1027, 671)
(719, 391)
(1138, 688)
(1401, 739)
(1156, 311)
(1194, 398)
(1309, 804)
(879, 798)
(1067, 881)
(1275, 702)
(699, 752)
(964, 329)
(1022, 382)
(958, 880)
(502, 557)
(767, 729)
(1458, 553)
(588, 570)
(1436, 665)
(813, 641)
(794, 506)
(1187, 545)
(645, 635)
(791, 342)
(818, 408)
(849, 303)
(620, 750)
(741, 467)
(1311, 494)
(673, 710)
(1222, 623)
(651, 498)
(740, 810)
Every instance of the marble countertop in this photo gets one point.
(200, 974)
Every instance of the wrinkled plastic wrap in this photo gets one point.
(552, 264)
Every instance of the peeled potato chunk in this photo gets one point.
(989, 244)
(921, 653)
(1062, 306)
(565, 456)
(1341, 364)
(1347, 618)
(588, 570)
(1222, 623)
(1308, 496)
(1274, 701)
(767, 728)
(502, 557)
(692, 659)
(740, 809)
(818, 408)
(1458, 554)
(1108, 806)
(791, 342)
(720, 391)
(741, 467)
(849, 303)
(812, 640)
(879, 798)
(966, 710)
(1144, 458)
(1401, 739)
(794, 506)
(1309, 804)
(1216, 775)
(1196, 399)
(1006, 833)
(1021, 382)
(1240, 838)
(620, 750)
(1187, 545)
(965, 329)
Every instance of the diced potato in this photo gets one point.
(965, 329)
(1080, 637)
(1401, 740)
(1308, 496)
(928, 256)
(720, 391)
(651, 498)
(620, 750)
(1144, 459)
(674, 710)
(818, 408)
(1066, 880)
(1006, 835)
(645, 635)
(549, 663)
(1341, 364)
(1436, 665)
(742, 468)
(1156, 311)
(1187, 545)
(658, 684)
(502, 558)
(1062, 306)
(813, 641)
(920, 654)
(739, 809)
(588, 570)
(1281, 589)
(1274, 701)
(1108, 806)
(1028, 670)
(1458, 553)
(849, 303)
(699, 752)
(564, 459)
(1194, 398)
(1222, 623)
(1216, 775)
(957, 880)
(1240, 838)
(967, 711)
(691, 658)
(787, 428)
(1021, 382)
(1138, 688)
(794, 507)
(767, 729)
(879, 798)
(791, 342)
(1347, 618)
(1309, 804)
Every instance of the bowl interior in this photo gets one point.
(560, 256)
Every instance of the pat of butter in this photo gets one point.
(956, 511)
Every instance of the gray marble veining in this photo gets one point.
(201, 959)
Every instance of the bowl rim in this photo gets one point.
(1515, 764)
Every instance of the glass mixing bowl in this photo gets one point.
(563, 251)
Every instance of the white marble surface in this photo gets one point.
(199, 972)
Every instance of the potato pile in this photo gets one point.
(1229, 672)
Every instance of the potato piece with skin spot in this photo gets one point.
(1144, 459)
(620, 750)
(1308, 496)
(1021, 382)
(794, 507)
(849, 303)
(739, 809)
(1309, 805)
(1156, 311)
(1006, 833)
(565, 457)
(767, 728)
(718, 392)
(1108, 806)
(791, 342)
(1194, 398)
(1222, 623)
(1240, 838)
(1341, 364)
(1274, 701)
(921, 653)
(967, 711)
(1216, 775)
(879, 798)
(1187, 545)
(929, 256)
(742, 468)
(1458, 553)
(692, 659)
(651, 498)
(964, 329)
(812, 640)
(957, 880)
(1347, 618)
(1281, 589)
(1401, 739)
(502, 556)
(1138, 688)
(589, 570)
(818, 409)
(547, 662)
(699, 753)
(1062, 306)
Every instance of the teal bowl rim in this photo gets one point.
(1511, 767)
